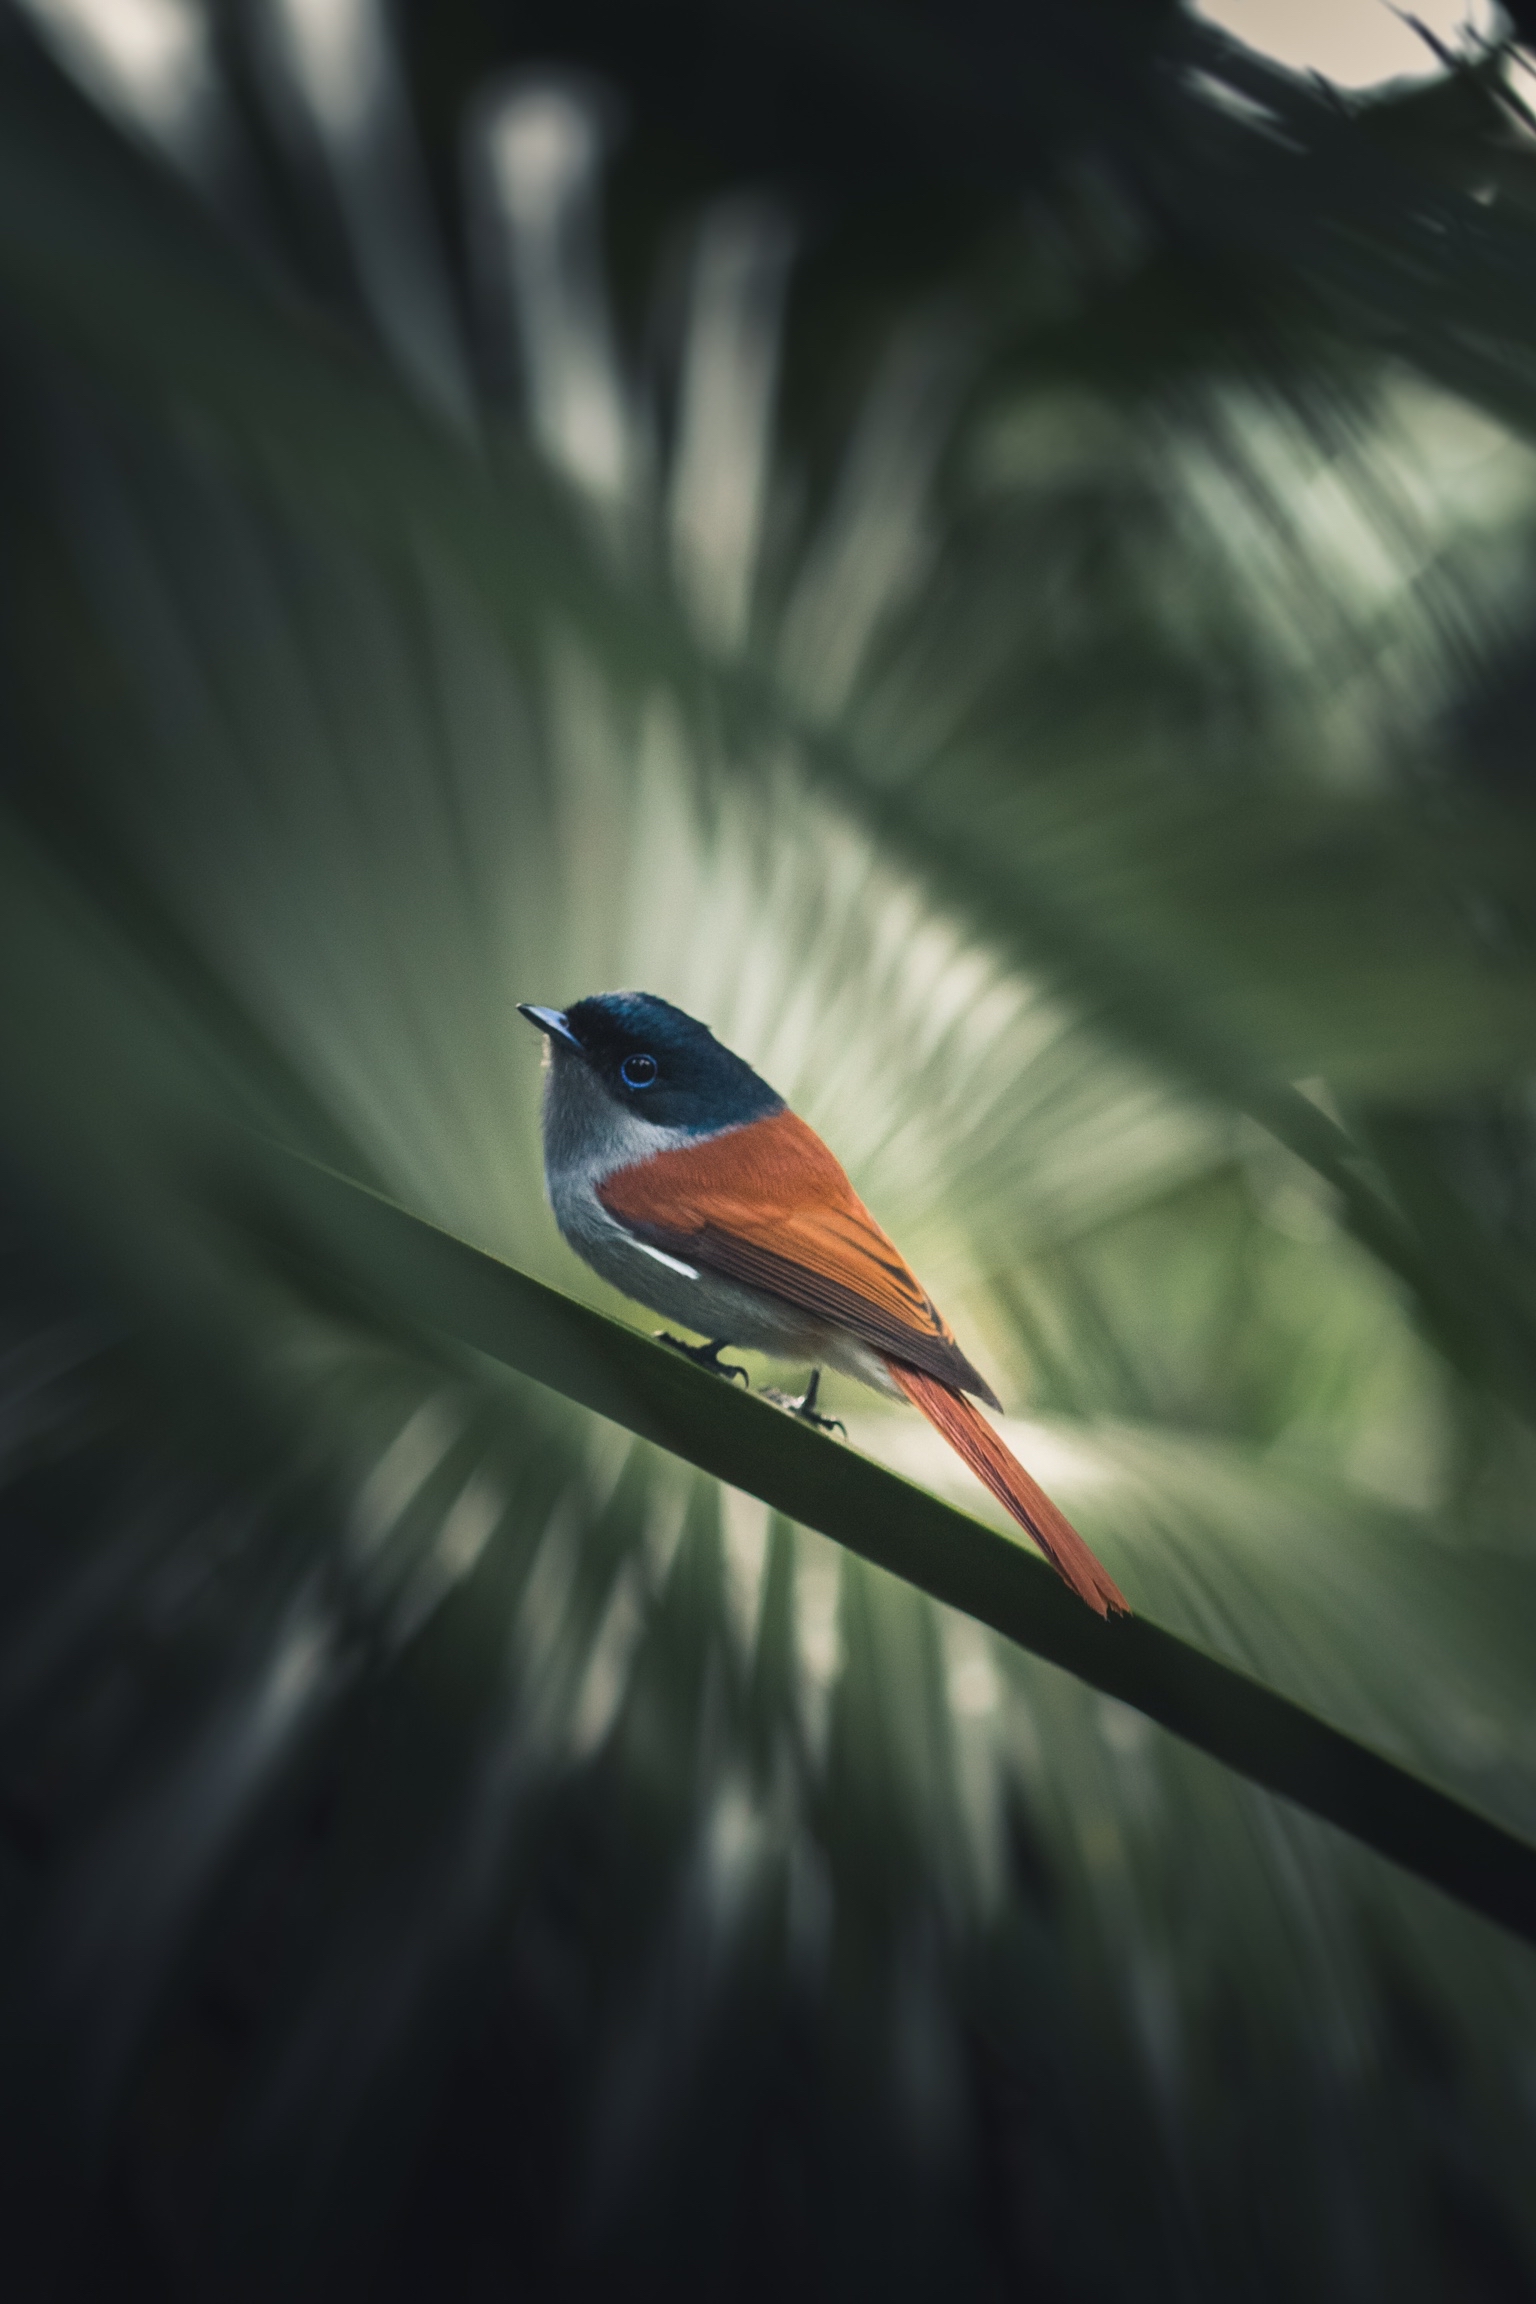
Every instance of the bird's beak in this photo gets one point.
(550, 1021)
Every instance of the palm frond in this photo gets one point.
(1028, 678)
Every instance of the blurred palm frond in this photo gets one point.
(1000, 580)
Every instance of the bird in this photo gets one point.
(684, 1180)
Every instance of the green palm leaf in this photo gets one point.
(1055, 759)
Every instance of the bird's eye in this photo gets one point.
(638, 1071)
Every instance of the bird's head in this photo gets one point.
(650, 1059)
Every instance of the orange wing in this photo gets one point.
(768, 1205)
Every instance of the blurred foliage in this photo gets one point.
(990, 553)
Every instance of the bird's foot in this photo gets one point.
(705, 1356)
(805, 1406)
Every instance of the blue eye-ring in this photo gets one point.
(638, 1071)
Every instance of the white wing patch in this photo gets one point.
(672, 1263)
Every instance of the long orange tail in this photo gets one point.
(971, 1436)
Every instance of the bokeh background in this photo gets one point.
(989, 551)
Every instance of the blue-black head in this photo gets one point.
(653, 1060)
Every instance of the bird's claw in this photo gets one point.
(805, 1407)
(705, 1356)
